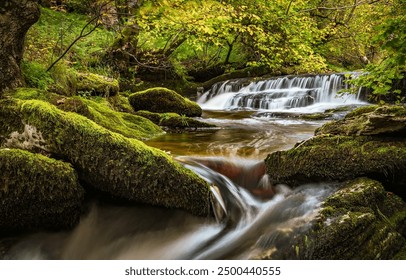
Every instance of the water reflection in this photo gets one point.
(239, 135)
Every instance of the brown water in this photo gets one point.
(239, 134)
(252, 215)
(255, 216)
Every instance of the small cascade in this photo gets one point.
(282, 93)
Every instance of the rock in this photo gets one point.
(37, 192)
(359, 221)
(109, 162)
(371, 120)
(340, 158)
(99, 110)
(368, 142)
(174, 121)
(163, 100)
(97, 85)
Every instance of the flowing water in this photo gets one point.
(252, 216)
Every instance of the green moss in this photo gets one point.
(401, 255)
(76, 105)
(123, 167)
(97, 109)
(369, 120)
(120, 103)
(37, 192)
(163, 100)
(97, 85)
(124, 123)
(355, 223)
(316, 116)
(362, 110)
(32, 93)
(173, 120)
(339, 158)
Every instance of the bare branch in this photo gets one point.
(82, 33)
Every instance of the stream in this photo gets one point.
(252, 216)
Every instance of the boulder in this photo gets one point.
(340, 158)
(370, 120)
(37, 192)
(368, 142)
(95, 84)
(163, 100)
(122, 167)
(174, 121)
(359, 221)
(99, 110)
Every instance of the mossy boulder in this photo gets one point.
(37, 192)
(100, 110)
(370, 120)
(370, 141)
(340, 158)
(122, 167)
(360, 221)
(163, 100)
(95, 84)
(174, 121)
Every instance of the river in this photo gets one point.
(253, 217)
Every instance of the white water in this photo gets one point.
(294, 94)
(260, 218)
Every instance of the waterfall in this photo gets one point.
(281, 93)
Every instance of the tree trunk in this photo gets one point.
(16, 17)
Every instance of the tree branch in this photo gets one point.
(82, 33)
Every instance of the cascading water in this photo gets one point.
(253, 216)
(251, 226)
(279, 94)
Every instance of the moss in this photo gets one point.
(362, 110)
(339, 158)
(352, 225)
(163, 100)
(359, 223)
(97, 109)
(37, 192)
(370, 120)
(120, 103)
(124, 168)
(97, 85)
(401, 255)
(76, 105)
(316, 116)
(174, 121)
(126, 124)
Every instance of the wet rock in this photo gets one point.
(359, 221)
(371, 120)
(339, 158)
(173, 121)
(163, 100)
(37, 192)
(109, 162)
(348, 149)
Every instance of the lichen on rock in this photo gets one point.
(37, 192)
(163, 100)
